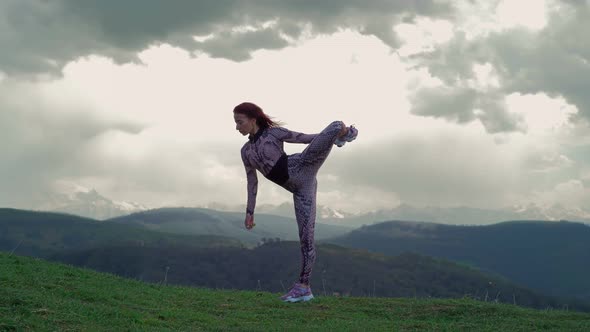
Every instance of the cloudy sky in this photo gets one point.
(458, 103)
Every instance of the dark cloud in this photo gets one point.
(43, 35)
(456, 104)
(238, 46)
(495, 116)
(555, 61)
(464, 105)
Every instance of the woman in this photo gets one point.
(296, 173)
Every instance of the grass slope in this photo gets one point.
(350, 272)
(37, 295)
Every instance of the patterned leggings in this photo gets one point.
(303, 168)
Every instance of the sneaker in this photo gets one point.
(298, 293)
(349, 137)
(351, 134)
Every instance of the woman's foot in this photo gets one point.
(298, 293)
(346, 136)
(249, 221)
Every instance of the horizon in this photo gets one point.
(101, 208)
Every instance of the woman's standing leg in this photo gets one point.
(305, 211)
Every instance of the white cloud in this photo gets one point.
(531, 14)
(541, 112)
(486, 77)
(570, 194)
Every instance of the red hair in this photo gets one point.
(254, 111)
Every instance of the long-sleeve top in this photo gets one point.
(264, 152)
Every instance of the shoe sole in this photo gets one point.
(299, 299)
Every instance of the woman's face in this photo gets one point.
(244, 124)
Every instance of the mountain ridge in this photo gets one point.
(75, 199)
(548, 256)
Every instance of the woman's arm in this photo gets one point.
(252, 185)
(290, 136)
(252, 189)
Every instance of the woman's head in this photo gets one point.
(249, 117)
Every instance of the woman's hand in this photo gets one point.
(249, 222)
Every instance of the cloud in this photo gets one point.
(572, 193)
(447, 102)
(524, 85)
(39, 145)
(237, 46)
(466, 104)
(44, 35)
(446, 166)
(47, 140)
(554, 60)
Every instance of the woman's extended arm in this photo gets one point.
(252, 188)
(252, 191)
(289, 136)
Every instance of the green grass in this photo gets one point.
(42, 296)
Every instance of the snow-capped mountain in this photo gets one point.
(554, 212)
(285, 209)
(443, 215)
(81, 201)
(465, 215)
(325, 212)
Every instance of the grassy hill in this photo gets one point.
(37, 295)
(551, 257)
(274, 265)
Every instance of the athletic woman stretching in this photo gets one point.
(296, 173)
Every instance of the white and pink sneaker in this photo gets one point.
(349, 137)
(298, 293)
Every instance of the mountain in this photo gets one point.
(552, 212)
(452, 215)
(275, 264)
(43, 233)
(463, 215)
(551, 257)
(85, 202)
(442, 215)
(285, 209)
(206, 221)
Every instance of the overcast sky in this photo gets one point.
(461, 103)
